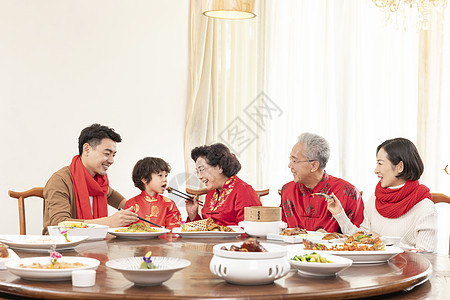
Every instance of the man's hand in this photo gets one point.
(123, 218)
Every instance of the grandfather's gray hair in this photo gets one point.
(316, 148)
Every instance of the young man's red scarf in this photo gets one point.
(85, 185)
(393, 203)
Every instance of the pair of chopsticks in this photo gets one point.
(322, 194)
(142, 219)
(182, 195)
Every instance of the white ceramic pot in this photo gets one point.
(250, 268)
(261, 229)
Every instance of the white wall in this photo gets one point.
(67, 64)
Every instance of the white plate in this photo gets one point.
(209, 234)
(94, 231)
(295, 239)
(40, 242)
(138, 235)
(358, 257)
(337, 264)
(49, 275)
(129, 267)
(273, 251)
(12, 256)
(387, 240)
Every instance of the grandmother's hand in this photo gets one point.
(192, 207)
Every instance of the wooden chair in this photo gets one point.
(441, 198)
(193, 192)
(34, 192)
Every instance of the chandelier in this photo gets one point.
(423, 8)
(229, 9)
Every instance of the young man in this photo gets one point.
(300, 208)
(81, 191)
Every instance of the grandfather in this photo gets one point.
(301, 208)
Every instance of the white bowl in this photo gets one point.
(49, 274)
(261, 229)
(337, 264)
(129, 267)
(94, 231)
(250, 268)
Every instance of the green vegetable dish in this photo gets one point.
(312, 257)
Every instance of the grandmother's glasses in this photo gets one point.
(200, 170)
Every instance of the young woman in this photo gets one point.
(400, 206)
(217, 167)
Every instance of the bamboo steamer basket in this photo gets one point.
(262, 214)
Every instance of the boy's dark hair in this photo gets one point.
(218, 155)
(145, 168)
(94, 134)
(401, 149)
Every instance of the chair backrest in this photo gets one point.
(193, 192)
(441, 198)
(438, 198)
(20, 196)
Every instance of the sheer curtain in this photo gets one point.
(336, 68)
(337, 71)
(224, 68)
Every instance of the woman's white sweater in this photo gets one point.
(417, 227)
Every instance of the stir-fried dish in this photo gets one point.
(138, 227)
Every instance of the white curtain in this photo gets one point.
(225, 81)
(336, 68)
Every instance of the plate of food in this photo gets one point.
(148, 270)
(73, 228)
(263, 262)
(359, 254)
(41, 242)
(6, 255)
(43, 269)
(359, 237)
(138, 231)
(294, 235)
(311, 263)
(207, 228)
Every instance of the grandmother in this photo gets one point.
(227, 194)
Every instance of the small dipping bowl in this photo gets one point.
(83, 278)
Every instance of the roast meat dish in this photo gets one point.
(249, 245)
(3, 251)
(333, 235)
(294, 231)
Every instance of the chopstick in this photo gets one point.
(322, 194)
(182, 195)
(142, 219)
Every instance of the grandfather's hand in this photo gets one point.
(334, 205)
(192, 207)
(123, 217)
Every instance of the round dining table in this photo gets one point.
(406, 276)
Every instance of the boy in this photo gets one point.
(150, 176)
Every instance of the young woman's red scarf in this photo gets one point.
(85, 185)
(393, 203)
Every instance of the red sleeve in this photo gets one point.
(245, 196)
(173, 216)
(355, 207)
